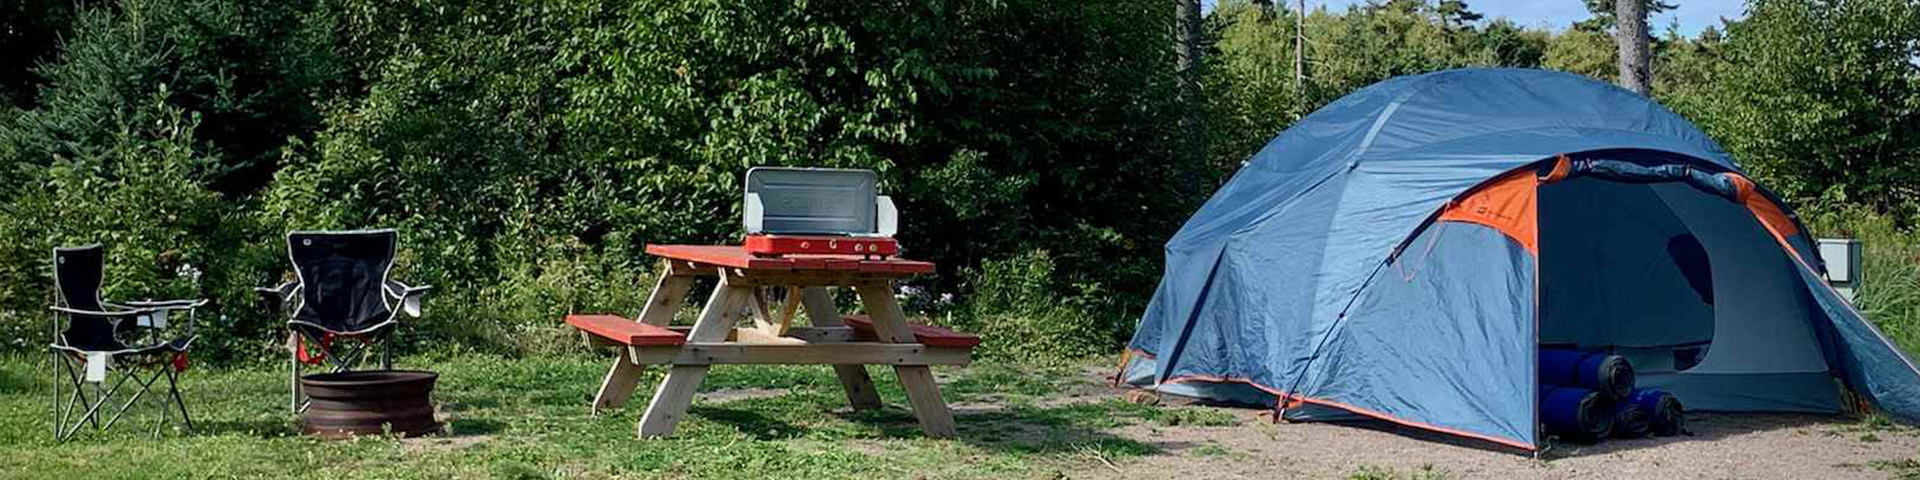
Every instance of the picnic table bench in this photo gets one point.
(723, 335)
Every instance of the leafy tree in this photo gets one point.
(1581, 51)
(519, 155)
(250, 68)
(1687, 67)
(29, 32)
(1603, 13)
(1819, 98)
(1456, 13)
(1513, 46)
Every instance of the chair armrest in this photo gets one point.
(408, 296)
(273, 299)
(153, 313)
(116, 315)
(167, 304)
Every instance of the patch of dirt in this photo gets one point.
(1724, 445)
(442, 443)
(976, 408)
(1094, 384)
(868, 447)
(737, 394)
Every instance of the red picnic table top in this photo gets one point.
(736, 256)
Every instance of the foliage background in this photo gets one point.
(528, 150)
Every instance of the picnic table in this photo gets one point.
(754, 283)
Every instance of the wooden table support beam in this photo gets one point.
(853, 378)
(668, 294)
(724, 335)
(849, 354)
(890, 323)
(675, 394)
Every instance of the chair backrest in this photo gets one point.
(813, 201)
(342, 277)
(78, 273)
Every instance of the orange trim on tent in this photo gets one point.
(1562, 166)
(1770, 214)
(1509, 204)
(1294, 399)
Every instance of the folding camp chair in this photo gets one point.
(342, 302)
(95, 341)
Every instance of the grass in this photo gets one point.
(527, 419)
(1908, 469)
(1889, 294)
(1369, 472)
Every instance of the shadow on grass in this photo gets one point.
(13, 383)
(1073, 429)
(1077, 429)
(466, 402)
(255, 427)
(1081, 428)
(473, 426)
(753, 423)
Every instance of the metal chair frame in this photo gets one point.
(155, 360)
(288, 299)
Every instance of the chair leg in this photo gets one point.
(143, 386)
(99, 396)
(79, 392)
(293, 384)
(173, 387)
(53, 370)
(166, 415)
(343, 360)
(93, 408)
(73, 401)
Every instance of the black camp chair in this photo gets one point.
(100, 335)
(342, 294)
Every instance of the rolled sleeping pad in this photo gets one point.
(1630, 420)
(1664, 412)
(1610, 374)
(1576, 414)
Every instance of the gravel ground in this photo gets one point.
(1724, 445)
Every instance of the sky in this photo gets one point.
(1557, 15)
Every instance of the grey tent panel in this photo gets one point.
(812, 201)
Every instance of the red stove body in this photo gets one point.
(773, 245)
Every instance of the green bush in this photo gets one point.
(528, 150)
(1025, 310)
(145, 196)
(1889, 293)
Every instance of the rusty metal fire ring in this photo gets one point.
(371, 402)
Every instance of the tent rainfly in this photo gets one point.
(1404, 252)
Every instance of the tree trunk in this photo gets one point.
(1299, 50)
(1630, 33)
(1189, 63)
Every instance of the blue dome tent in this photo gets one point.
(1403, 253)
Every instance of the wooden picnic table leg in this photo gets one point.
(890, 324)
(822, 312)
(670, 402)
(619, 383)
(668, 294)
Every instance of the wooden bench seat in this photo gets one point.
(928, 335)
(626, 332)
